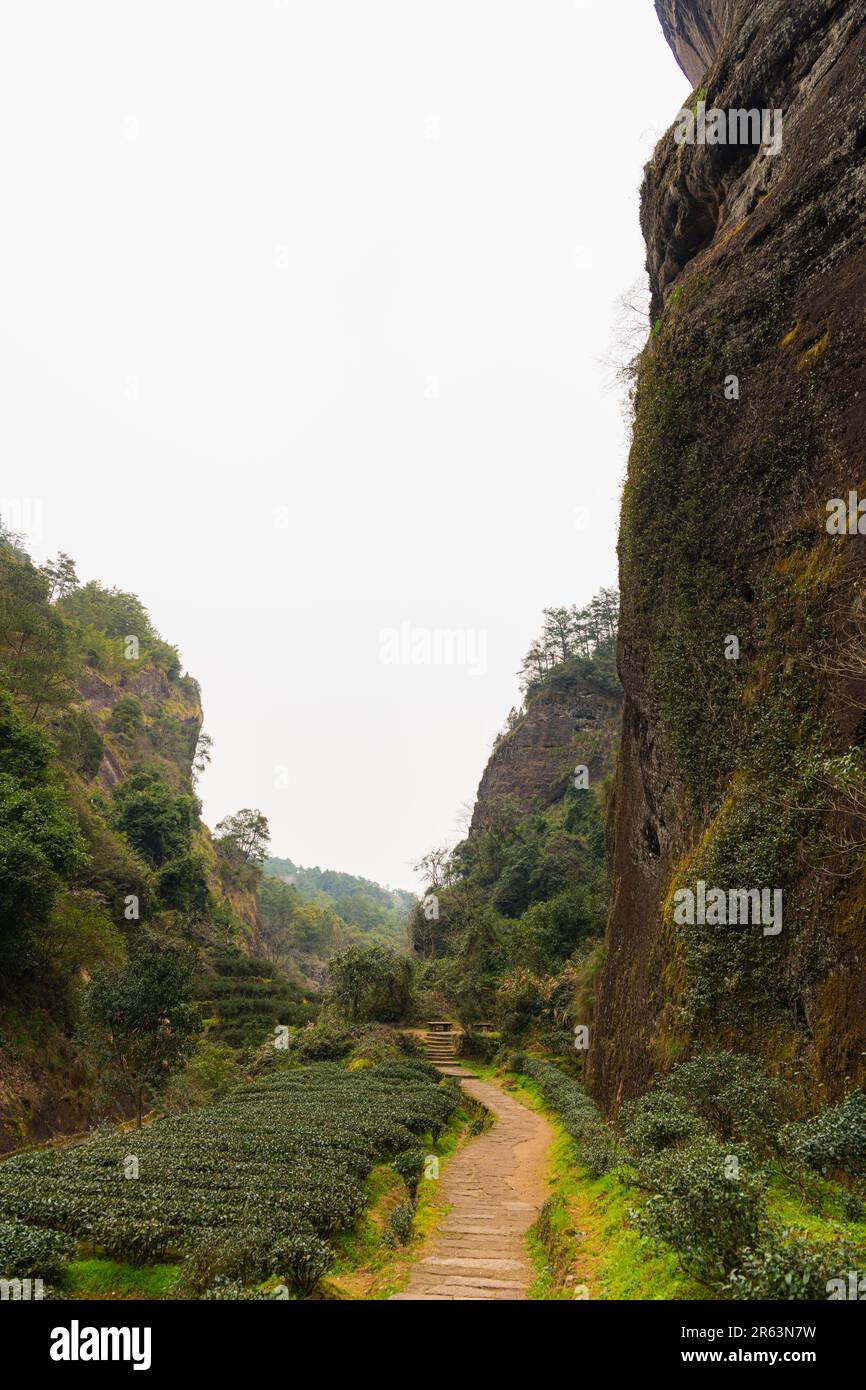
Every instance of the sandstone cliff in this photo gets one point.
(750, 409)
(695, 29)
(572, 720)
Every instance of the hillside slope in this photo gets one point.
(745, 772)
(510, 929)
(101, 839)
(307, 915)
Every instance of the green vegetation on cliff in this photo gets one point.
(510, 929)
(103, 854)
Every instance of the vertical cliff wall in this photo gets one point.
(572, 720)
(695, 30)
(741, 765)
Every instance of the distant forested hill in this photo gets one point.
(308, 914)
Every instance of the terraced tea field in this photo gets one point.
(273, 1170)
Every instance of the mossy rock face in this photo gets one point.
(746, 772)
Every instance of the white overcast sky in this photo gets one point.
(304, 303)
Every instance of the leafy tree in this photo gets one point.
(202, 754)
(40, 843)
(174, 738)
(244, 837)
(370, 984)
(35, 656)
(140, 1023)
(61, 576)
(127, 717)
(119, 877)
(315, 929)
(182, 886)
(103, 619)
(435, 867)
(111, 611)
(157, 821)
(278, 903)
(80, 935)
(550, 931)
(80, 743)
(568, 634)
(362, 911)
(292, 926)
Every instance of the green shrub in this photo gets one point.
(220, 1259)
(658, 1121)
(370, 983)
(26, 1252)
(218, 1255)
(224, 1290)
(157, 820)
(376, 1043)
(398, 1227)
(182, 885)
(735, 1096)
(481, 1046)
(552, 1210)
(211, 1073)
(706, 1216)
(135, 1240)
(595, 1144)
(127, 718)
(302, 1259)
(786, 1265)
(413, 1069)
(80, 743)
(410, 1166)
(321, 1042)
(833, 1140)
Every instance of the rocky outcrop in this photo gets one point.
(571, 720)
(741, 770)
(694, 29)
(159, 697)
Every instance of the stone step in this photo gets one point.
(458, 1281)
(470, 1264)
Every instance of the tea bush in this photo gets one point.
(594, 1142)
(410, 1166)
(658, 1121)
(287, 1155)
(703, 1206)
(232, 1290)
(786, 1265)
(26, 1252)
(302, 1260)
(733, 1094)
(398, 1227)
(217, 1257)
(833, 1140)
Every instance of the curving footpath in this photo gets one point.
(495, 1186)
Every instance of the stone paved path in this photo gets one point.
(495, 1186)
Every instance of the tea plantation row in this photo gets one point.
(282, 1158)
